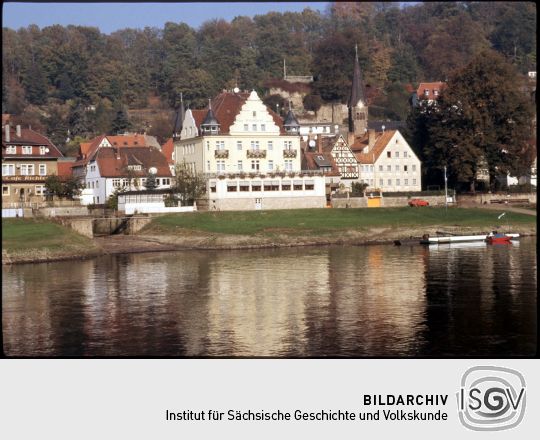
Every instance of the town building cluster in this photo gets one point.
(250, 156)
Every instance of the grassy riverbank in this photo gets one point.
(317, 221)
(33, 240)
(42, 240)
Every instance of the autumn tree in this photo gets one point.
(482, 117)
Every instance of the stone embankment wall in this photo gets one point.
(136, 224)
(487, 198)
(386, 202)
(82, 226)
(61, 211)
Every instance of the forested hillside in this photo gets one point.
(53, 76)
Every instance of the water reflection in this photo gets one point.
(332, 301)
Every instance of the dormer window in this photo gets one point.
(436, 92)
(26, 150)
(426, 92)
(11, 149)
(42, 150)
(135, 167)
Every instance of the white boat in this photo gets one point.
(460, 238)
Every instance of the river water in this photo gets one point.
(359, 301)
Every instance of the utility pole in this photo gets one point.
(445, 191)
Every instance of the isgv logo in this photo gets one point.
(491, 398)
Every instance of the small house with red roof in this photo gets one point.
(387, 162)
(115, 163)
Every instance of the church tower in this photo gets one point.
(358, 110)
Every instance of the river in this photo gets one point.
(339, 301)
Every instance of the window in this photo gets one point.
(397, 167)
(239, 145)
(8, 169)
(263, 127)
(288, 145)
(414, 167)
(426, 92)
(388, 154)
(27, 169)
(388, 167)
(246, 127)
(436, 92)
(414, 181)
(270, 145)
(5, 190)
(288, 165)
(405, 154)
(398, 182)
(255, 165)
(143, 181)
(254, 127)
(207, 145)
(380, 167)
(26, 150)
(254, 114)
(240, 166)
(371, 168)
(397, 153)
(97, 183)
(309, 185)
(267, 186)
(232, 187)
(285, 186)
(220, 145)
(116, 183)
(254, 145)
(244, 186)
(397, 140)
(220, 164)
(381, 182)
(256, 186)
(406, 182)
(389, 182)
(158, 182)
(40, 190)
(11, 149)
(297, 185)
(270, 165)
(42, 169)
(42, 150)
(207, 165)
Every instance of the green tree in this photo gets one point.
(120, 122)
(35, 84)
(190, 185)
(151, 182)
(63, 188)
(482, 117)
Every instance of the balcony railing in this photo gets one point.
(289, 153)
(256, 154)
(221, 154)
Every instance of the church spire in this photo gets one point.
(357, 89)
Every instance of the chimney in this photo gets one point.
(371, 139)
(18, 131)
(319, 144)
(7, 133)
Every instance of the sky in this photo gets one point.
(109, 17)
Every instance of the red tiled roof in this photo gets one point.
(326, 145)
(380, 144)
(64, 169)
(431, 87)
(31, 138)
(111, 165)
(167, 150)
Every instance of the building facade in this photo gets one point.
(28, 159)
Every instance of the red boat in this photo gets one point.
(498, 238)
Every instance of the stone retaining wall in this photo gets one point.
(486, 198)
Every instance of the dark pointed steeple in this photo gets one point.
(357, 89)
(210, 124)
(179, 119)
(290, 123)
